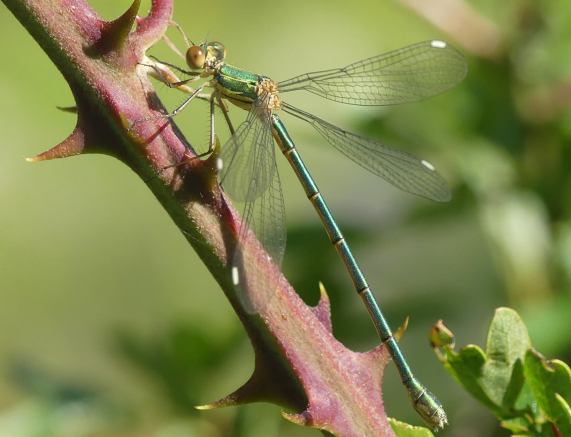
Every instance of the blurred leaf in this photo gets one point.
(518, 425)
(39, 383)
(550, 382)
(405, 430)
(58, 408)
(179, 360)
(564, 422)
(550, 323)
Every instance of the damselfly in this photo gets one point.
(249, 173)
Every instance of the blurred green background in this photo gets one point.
(111, 326)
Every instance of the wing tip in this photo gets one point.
(438, 44)
(445, 196)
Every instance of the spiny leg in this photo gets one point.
(212, 138)
(175, 67)
(212, 115)
(160, 74)
(212, 135)
(214, 99)
(169, 116)
(173, 113)
(186, 102)
(225, 111)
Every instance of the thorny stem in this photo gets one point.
(299, 364)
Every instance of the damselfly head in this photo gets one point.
(208, 55)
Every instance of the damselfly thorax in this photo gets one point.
(243, 88)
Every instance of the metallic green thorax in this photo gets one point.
(237, 85)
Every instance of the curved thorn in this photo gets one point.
(72, 145)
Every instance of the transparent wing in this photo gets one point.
(408, 74)
(401, 169)
(250, 176)
(246, 173)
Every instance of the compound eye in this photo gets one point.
(217, 51)
(195, 57)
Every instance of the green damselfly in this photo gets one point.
(249, 173)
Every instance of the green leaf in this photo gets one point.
(494, 377)
(550, 382)
(518, 425)
(467, 367)
(529, 394)
(565, 410)
(508, 341)
(521, 427)
(405, 430)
